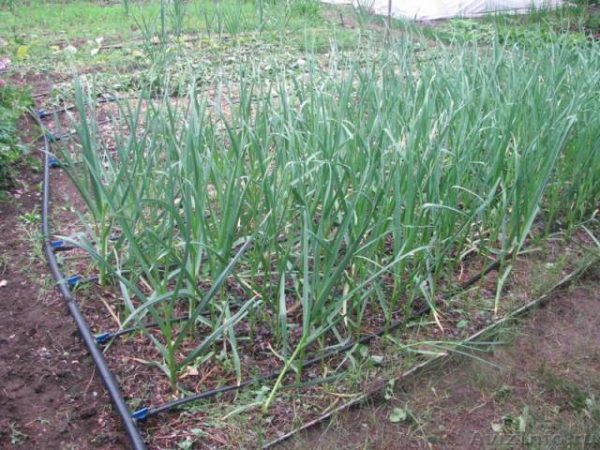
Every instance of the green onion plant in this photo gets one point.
(322, 200)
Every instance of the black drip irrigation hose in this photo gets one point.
(144, 413)
(108, 378)
(437, 359)
(104, 98)
(53, 162)
(51, 137)
(106, 336)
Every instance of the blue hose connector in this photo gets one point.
(74, 280)
(53, 163)
(103, 338)
(141, 414)
(57, 245)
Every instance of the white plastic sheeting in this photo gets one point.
(445, 9)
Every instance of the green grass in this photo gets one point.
(68, 20)
(120, 50)
(85, 19)
(42, 23)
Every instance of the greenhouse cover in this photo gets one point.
(445, 9)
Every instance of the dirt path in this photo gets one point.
(50, 397)
(541, 390)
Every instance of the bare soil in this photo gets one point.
(50, 397)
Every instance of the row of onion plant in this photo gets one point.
(316, 202)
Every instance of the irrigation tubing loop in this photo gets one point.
(108, 378)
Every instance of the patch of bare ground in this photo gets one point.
(537, 387)
(50, 397)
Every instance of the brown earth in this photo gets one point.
(50, 397)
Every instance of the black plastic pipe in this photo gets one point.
(144, 413)
(104, 98)
(109, 380)
(106, 336)
(59, 137)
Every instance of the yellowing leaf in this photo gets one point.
(398, 415)
(22, 52)
(189, 372)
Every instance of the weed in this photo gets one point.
(573, 394)
(30, 218)
(511, 424)
(17, 437)
(13, 103)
